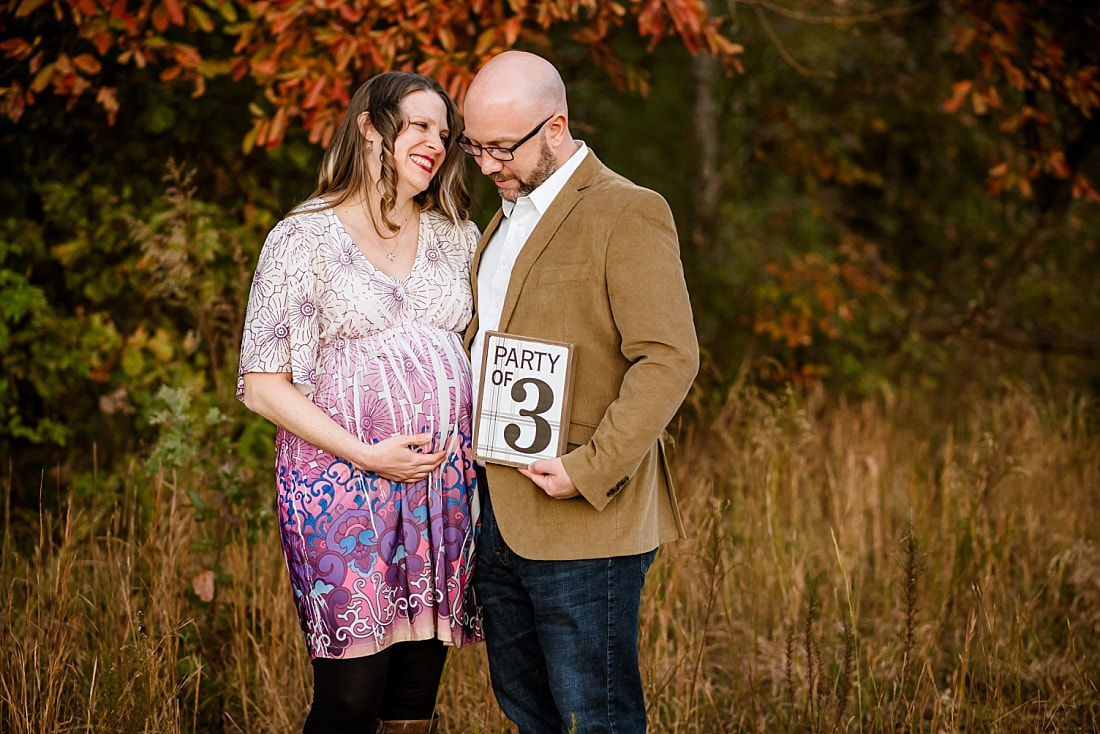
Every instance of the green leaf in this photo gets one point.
(29, 6)
(202, 18)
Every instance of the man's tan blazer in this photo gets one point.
(602, 271)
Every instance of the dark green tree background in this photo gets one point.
(899, 197)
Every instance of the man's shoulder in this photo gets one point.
(604, 180)
(609, 188)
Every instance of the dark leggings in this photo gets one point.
(399, 683)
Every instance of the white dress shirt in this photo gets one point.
(495, 270)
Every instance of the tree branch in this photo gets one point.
(855, 19)
(1026, 335)
(791, 61)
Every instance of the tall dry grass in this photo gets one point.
(877, 566)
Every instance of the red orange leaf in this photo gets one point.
(186, 56)
(959, 92)
(175, 13)
(1010, 17)
(1056, 163)
(103, 41)
(87, 63)
(160, 18)
(314, 93)
(350, 14)
(1015, 77)
(16, 48)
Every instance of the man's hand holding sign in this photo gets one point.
(550, 476)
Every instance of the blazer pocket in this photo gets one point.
(563, 273)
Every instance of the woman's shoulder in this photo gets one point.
(448, 230)
(311, 217)
(309, 212)
(438, 218)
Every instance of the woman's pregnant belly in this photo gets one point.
(405, 380)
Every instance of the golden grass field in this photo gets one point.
(882, 565)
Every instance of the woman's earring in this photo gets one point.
(370, 146)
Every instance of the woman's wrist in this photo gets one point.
(365, 457)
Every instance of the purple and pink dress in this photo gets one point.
(372, 562)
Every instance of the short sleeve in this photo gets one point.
(280, 326)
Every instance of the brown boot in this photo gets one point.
(422, 726)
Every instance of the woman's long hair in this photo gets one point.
(344, 171)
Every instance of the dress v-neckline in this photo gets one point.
(371, 263)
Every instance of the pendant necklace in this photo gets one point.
(397, 238)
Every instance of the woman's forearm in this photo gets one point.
(272, 395)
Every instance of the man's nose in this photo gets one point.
(488, 164)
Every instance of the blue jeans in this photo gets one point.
(562, 637)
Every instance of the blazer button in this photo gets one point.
(615, 490)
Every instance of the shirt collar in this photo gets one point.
(543, 196)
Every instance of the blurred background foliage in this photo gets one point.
(888, 220)
(872, 198)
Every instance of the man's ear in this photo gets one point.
(557, 126)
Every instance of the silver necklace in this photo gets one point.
(397, 238)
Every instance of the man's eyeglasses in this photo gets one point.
(500, 154)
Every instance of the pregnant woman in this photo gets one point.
(351, 347)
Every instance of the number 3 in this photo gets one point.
(542, 426)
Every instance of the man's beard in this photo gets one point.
(544, 169)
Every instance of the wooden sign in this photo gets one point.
(524, 399)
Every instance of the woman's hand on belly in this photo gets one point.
(272, 395)
(397, 459)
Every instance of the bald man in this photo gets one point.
(576, 254)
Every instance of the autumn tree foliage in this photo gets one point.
(111, 291)
(911, 186)
(892, 183)
(1034, 74)
(1038, 75)
(309, 55)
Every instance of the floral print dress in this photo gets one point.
(371, 562)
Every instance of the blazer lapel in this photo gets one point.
(544, 231)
